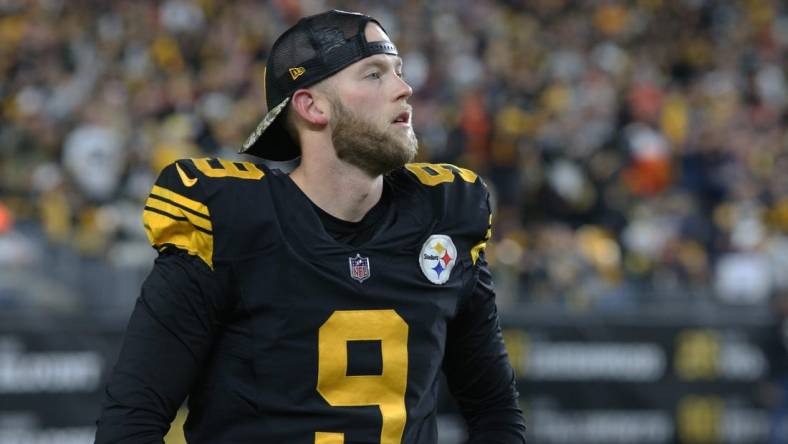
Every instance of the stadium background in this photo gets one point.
(637, 150)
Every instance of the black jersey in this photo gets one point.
(279, 333)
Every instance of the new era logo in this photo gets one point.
(297, 72)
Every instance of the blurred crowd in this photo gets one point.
(637, 150)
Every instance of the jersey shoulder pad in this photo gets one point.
(178, 211)
(459, 199)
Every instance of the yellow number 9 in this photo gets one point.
(386, 390)
(437, 173)
(228, 168)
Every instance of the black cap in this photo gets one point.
(316, 47)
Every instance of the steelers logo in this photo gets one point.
(437, 258)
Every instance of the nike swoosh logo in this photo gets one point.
(184, 178)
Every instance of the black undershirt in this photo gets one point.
(357, 233)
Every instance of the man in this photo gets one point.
(317, 307)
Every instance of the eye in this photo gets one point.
(374, 75)
(400, 74)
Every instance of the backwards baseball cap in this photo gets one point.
(316, 47)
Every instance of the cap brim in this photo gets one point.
(270, 140)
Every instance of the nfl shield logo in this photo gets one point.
(359, 267)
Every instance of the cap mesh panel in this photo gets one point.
(329, 30)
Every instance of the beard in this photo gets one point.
(362, 144)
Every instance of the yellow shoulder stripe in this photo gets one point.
(172, 219)
(177, 212)
(184, 201)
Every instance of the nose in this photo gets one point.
(404, 91)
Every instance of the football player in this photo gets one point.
(320, 306)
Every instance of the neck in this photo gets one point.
(340, 189)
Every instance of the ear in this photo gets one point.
(308, 106)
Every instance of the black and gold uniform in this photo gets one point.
(284, 325)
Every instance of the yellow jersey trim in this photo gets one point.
(172, 219)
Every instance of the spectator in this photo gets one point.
(578, 114)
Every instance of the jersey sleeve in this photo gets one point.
(477, 368)
(182, 306)
(476, 365)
